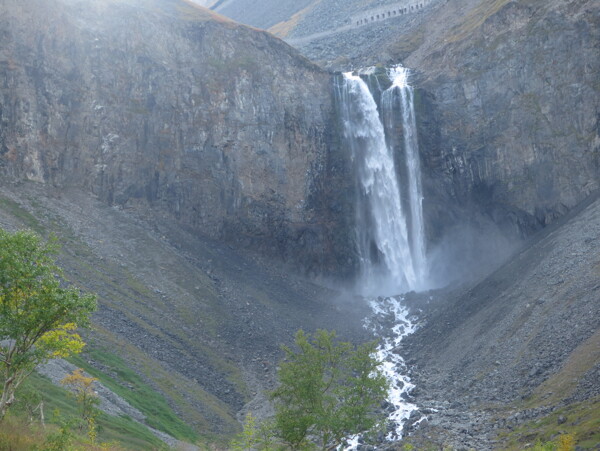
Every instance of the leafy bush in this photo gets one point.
(38, 315)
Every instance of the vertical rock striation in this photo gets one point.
(510, 110)
(165, 104)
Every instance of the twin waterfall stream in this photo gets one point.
(380, 131)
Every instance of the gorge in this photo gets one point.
(219, 191)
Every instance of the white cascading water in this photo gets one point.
(389, 231)
(399, 76)
(390, 241)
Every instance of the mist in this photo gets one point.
(205, 3)
(468, 252)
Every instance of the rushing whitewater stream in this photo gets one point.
(389, 222)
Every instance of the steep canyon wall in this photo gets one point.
(508, 103)
(510, 111)
(166, 105)
(234, 134)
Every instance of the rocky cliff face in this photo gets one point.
(165, 104)
(232, 133)
(509, 103)
(512, 108)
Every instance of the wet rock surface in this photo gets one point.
(512, 122)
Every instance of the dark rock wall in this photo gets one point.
(508, 104)
(230, 131)
(164, 104)
(510, 113)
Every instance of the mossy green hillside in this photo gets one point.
(580, 420)
(123, 381)
(194, 306)
(58, 403)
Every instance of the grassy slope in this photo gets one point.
(138, 378)
(183, 326)
(581, 419)
(58, 403)
(123, 381)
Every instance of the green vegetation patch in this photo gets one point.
(198, 408)
(127, 433)
(123, 430)
(562, 384)
(125, 382)
(18, 212)
(580, 420)
(188, 396)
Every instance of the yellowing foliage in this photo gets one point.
(38, 315)
(86, 397)
(80, 382)
(62, 342)
(566, 442)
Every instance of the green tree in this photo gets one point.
(256, 436)
(62, 438)
(38, 313)
(328, 390)
(32, 402)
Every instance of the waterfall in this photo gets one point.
(379, 128)
(400, 85)
(389, 231)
